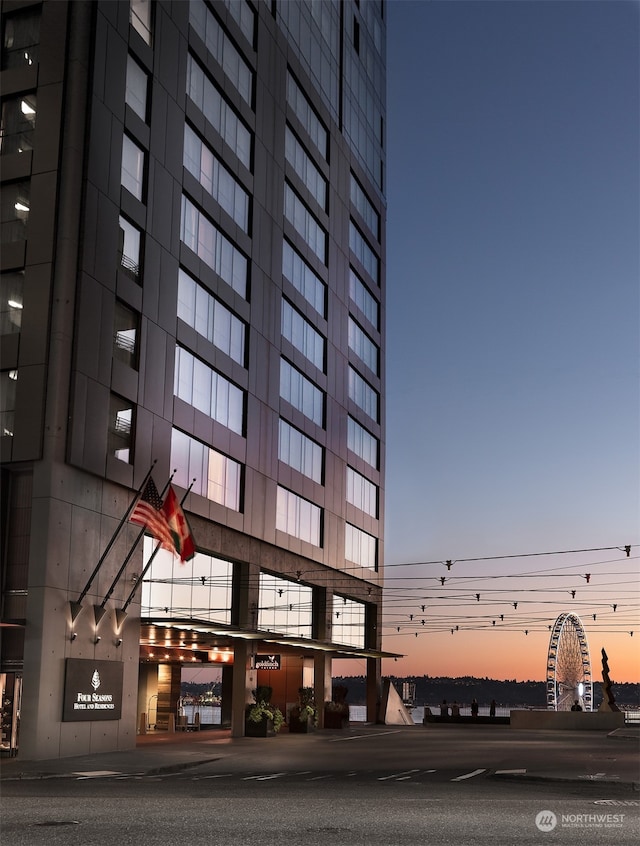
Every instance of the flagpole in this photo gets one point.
(76, 607)
(99, 610)
(121, 613)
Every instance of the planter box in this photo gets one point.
(262, 729)
(335, 720)
(298, 726)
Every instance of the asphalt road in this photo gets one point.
(379, 788)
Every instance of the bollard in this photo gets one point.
(171, 727)
(143, 723)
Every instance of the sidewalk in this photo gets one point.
(161, 752)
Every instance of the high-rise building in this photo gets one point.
(192, 291)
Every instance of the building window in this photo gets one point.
(136, 88)
(348, 622)
(301, 393)
(218, 112)
(285, 607)
(363, 298)
(363, 252)
(298, 517)
(362, 443)
(305, 223)
(362, 493)
(244, 16)
(21, 38)
(203, 388)
(365, 207)
(15, 202)
(300, 452)
(210, 318)
(363, 346)
(132, 171)
(140, 18)
(8, 385)
(11, 302)
(217, 477)
(125, 335)
(214, 248)
(222, 49)
(17, 129)
(304, 167)
(199, 589)
(360, 547)
(364, 396)
(214, 177)
(301, 334)
(303, 279)
(307, 116)
(129, 248)
(120, 436)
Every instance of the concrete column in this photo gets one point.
(373, 689)
(243, 682)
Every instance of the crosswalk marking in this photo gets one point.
(468, 775)
(405, 773)
(510, 772)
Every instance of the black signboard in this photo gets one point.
(267, 662)
(92, 690)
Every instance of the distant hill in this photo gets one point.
(430, 690)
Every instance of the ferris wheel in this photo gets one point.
(568, 665)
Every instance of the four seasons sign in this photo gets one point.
(92, 690)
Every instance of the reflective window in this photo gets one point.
(215, 178)
(302, 335)
(129, 248)
(363, 252)
(11, 302)
(222, 48)
(210, 318)
(17, 128)
(244, 16)
(120, 435)
(136, 88)
(305, 223)
(15, 203)
(21, 38)
(203, 388)
(362, 493)
(132, 173)
(140, 18)
(365, 208)
(307, 116)
(300, 452)
(199, 589)
(218, 112)
(363, 298)
(362, 443)
(125, 334)
(348, 622)
(303, 165)
(8, 385)
(303, 279)
(363, 346)
(214, 248)
(360, 547)
(217, 477)
(298, 517)
(364, 396)
(285, 607)
(301, 393)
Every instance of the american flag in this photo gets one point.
(149, 513)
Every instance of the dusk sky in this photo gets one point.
(513, 416)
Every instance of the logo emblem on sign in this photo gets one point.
(95, 680)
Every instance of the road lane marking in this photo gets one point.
(468, 775)
(361, 736)
(405, 773)
(98, 773)
(510, 772)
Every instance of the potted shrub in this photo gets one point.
(262, 719)
(303, 717)
(336, 712)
